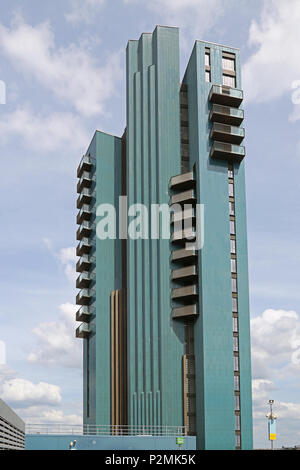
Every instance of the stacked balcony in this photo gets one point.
(83, 249)
(226, 117)
(184, 275)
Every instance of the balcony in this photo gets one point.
(83, 247)
(83, 280)
(184, 256)
(84, 182)
(83, 331)
(187, 274)
(183, 215)
(225, 95)
(186, 311)
(85, 197)
(186, 197)
(184, 293)
(225, 133)
(83, 297)
(84, 230)
(222, 150)
(187, 234)
(83, 314)
(83, 264)
(226, 115)
(183, 181)
(83, 214)
(84, 165)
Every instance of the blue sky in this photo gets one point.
(63, 63)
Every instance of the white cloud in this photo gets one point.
(71, 73)
(275, 337)
(44, 133)
(84, 10)
(56, 342)
(66, 257)
(23, 393)
(46, 415)
(274, 66)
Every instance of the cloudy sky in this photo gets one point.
(63, 64)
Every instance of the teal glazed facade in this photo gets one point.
(134, 347)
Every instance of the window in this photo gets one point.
(233, 265)
(235, 327)
(237, 422)
(232, 246)
(236, 383)
(231, 190)
(207, 59)
(228, 64)
(207, 76)
(232, 227)
(230, 171)
(234, 305)
(231, 208)
(237, 440)
(237, 403)
(228, 80)
(236, 363)
(235, 344)
(234, 285)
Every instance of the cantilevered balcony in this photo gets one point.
(186, 197)
(183, 215)
(225, 133)
(83, 331)
(186, 293)
(186, 311)
(84, 165)
(83, 314)
(186, 274)
(83, 264)
(222, 94)
(226, 115)
(84, 230)
(84, 182)
(184, 256)
(83, 247)
(225, 151)
(83, 280)
(85, 197)
(83, 214)
(183, 182)
(83, 297)
(187, 234)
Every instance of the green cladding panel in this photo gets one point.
(155, 341)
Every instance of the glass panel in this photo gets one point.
(234, 304)
(232, 246)
(228, 80)
(235, 344)
(207, 59)
(231, 190)
(237, 440)
(236, 383)
(234, 285)
(232, 227)
(237, 402)
(228, 64)
(236, 363)
(207, 76)
(233, 265)
(235, 327)
(237, 422)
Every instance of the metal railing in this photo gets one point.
(105, 430)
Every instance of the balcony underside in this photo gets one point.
(187, 293)
(226, 115)
(183, 182)
(224, 151)
(83, 331)
(83, 264)
(184, 256)
(186, 274)
(186, 311)
(229, 134)
(83, 314)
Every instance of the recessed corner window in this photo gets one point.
(229, 80)
(207, 59)
(228, 64)
(207, 76)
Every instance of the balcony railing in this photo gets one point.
(84, 165)
(84, 263)
(184, 235)
(221, 94)
(84, 230)
(222, 150)
(83, 214)
(84, 197)
(83, 297)
(225, 133)
(83, 247)
(84, 182)
(183, 181)
(105, 430)
(226, 115)
(83, 280)
(185, 197)
(83, 314)
(184, 293)
(83, 331)
(188, 273)
(184, 256)
(186, 311)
